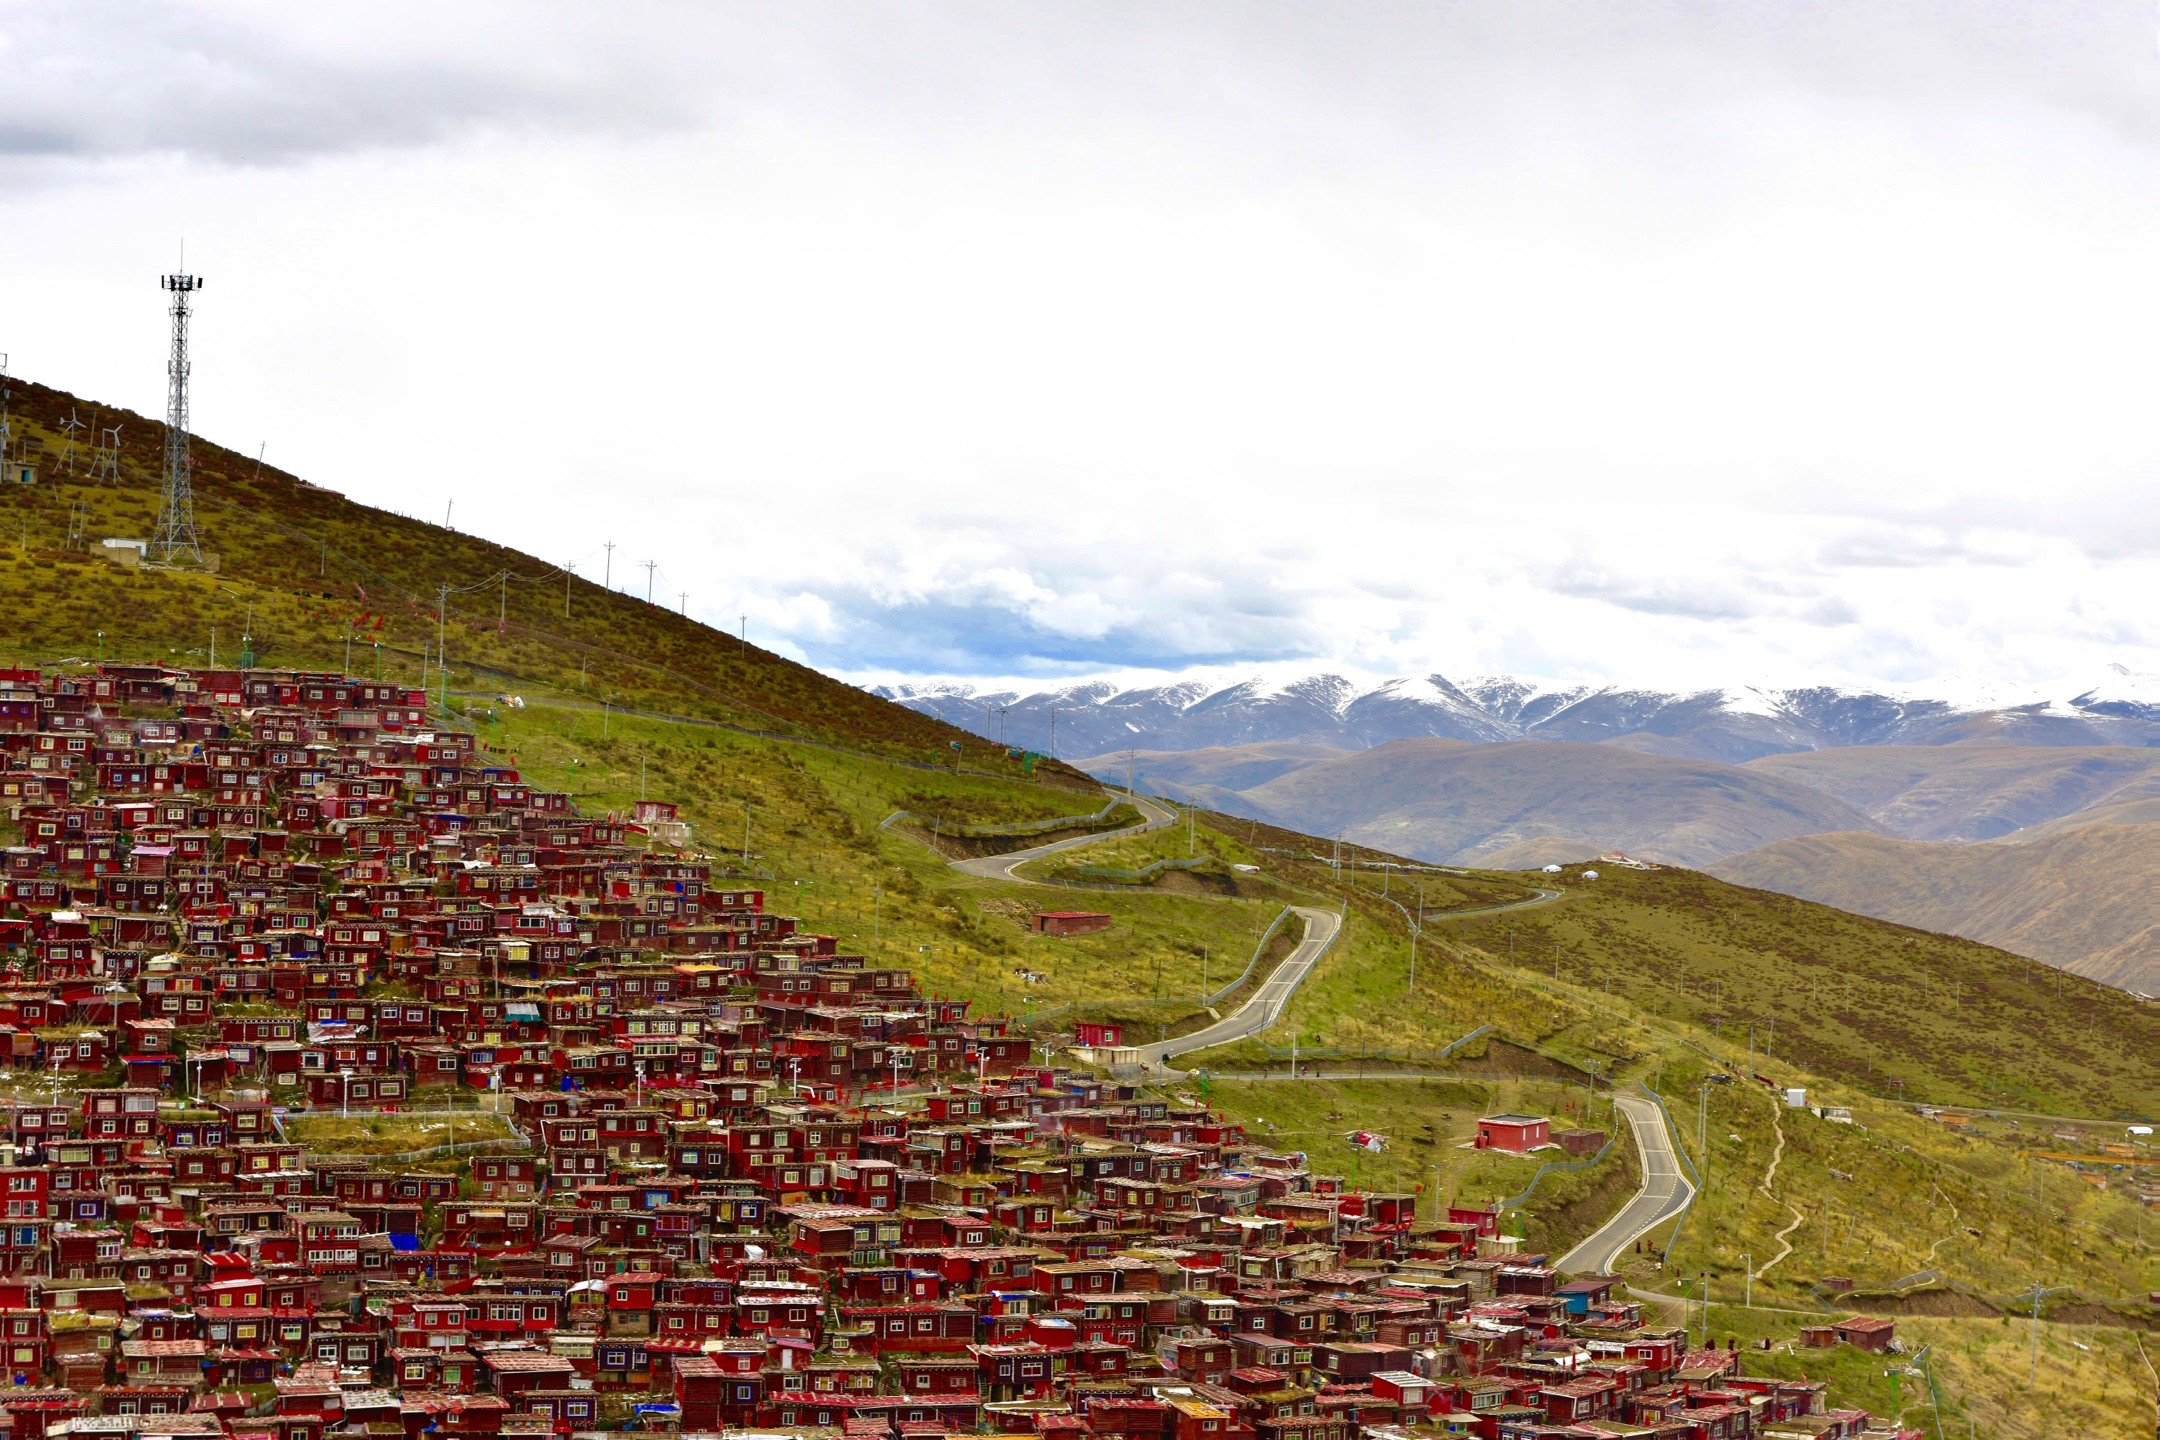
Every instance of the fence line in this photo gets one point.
(1141, 876)
(1680, 1150)
(1016, 827)
(1514, 1202)
(1258, 950)
(1052, 1012)
(1344, 1052)
(462, 1147)
(1037, 827)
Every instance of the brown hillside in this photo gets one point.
(2086, 898)
(1446, 800)
(1971, 792)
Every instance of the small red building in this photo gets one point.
(1070, 922)
(1513, 1132)
(1867, 1332)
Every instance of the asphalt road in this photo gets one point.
(1267, 1002)
(1250, 1018)
(1665, 1193)
(1000, 867)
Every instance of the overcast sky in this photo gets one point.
(1673, 343)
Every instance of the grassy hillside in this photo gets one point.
(1972, 792)
(1881, 1007)
(2086, 898)
(1631, 975)
(315, 576)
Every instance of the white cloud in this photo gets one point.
(1659, 341)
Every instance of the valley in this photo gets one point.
(1449, 993)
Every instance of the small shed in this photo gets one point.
(1867, 1332)
(1070, 922)
(1580, 1142)
(1513, 1132)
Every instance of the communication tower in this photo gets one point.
(176, 543)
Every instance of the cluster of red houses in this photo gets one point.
(755, 1184)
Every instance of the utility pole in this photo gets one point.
(682, 603)
(607, 571)
(2032, 1367)
(1417, 928)
(650, 566)
(742, 634)
(175, 542)
(566, 573)
(442, 600)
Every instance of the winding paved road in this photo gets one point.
(1000, 867)
(1250, 1018)
(1267, 1002)
(1665, 1193)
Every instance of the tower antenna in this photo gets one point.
(176, 543)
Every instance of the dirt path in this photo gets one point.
(1777, 1153)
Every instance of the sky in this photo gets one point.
(1665, 343)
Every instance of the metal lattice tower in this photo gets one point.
(176, 542)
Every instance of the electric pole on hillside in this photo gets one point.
(175, 543)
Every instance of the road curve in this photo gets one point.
(1543, 897)
(1267, 1002)
(1000, 867)
(1250, 1018)
(1665, 1193)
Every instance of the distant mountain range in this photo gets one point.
(2024, 818)
(1732, 724)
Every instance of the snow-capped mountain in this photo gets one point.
(1731, 724)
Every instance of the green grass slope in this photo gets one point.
(1630, 975)
(316, 576)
